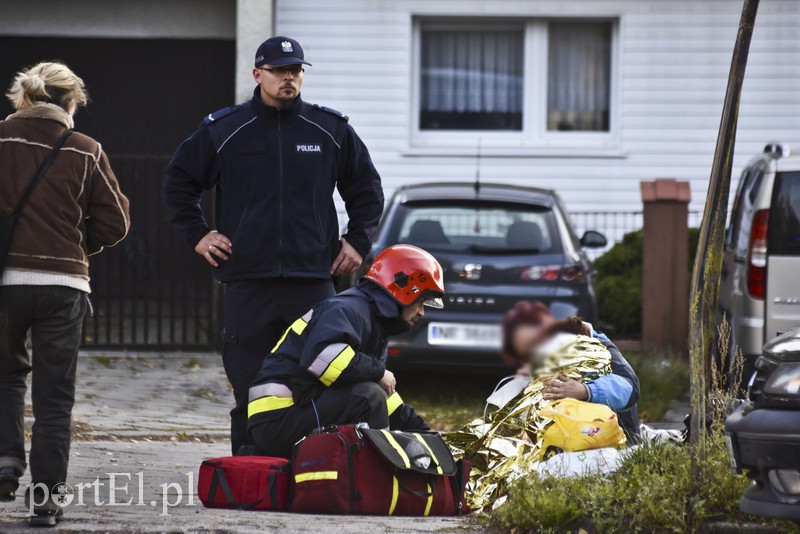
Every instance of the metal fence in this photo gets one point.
(150, 291)
(615, 224)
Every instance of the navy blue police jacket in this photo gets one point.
(275, 171)
(339, 342)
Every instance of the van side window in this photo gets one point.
(756, 185)
(736, 211)
(784, 216)
(747, 209)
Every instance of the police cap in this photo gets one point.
(279, 51)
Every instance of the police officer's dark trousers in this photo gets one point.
(257, 312)
(54, 316)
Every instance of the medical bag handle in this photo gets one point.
(219, 480)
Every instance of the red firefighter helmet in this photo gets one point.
(409, 273)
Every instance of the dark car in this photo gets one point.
(498, 244)
(764, 433)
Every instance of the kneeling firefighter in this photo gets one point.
(329, 368)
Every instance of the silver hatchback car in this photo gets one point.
(760, 289)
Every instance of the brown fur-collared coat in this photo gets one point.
(77, 208)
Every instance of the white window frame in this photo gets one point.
(534, 138)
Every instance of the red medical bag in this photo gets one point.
(245, 483)
(355, 470)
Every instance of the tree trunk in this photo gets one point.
(708, 263)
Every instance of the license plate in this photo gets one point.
(464, 335)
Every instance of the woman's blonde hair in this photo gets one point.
(47, 82)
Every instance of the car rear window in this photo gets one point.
(784, 215)
(479, 228)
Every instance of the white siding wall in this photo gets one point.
(673, 59)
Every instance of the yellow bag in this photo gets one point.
(578, 426)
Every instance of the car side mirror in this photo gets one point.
(593, 239)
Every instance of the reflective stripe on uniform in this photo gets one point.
(268, 390)
(316, 475)
(396, 446)
(430, 500)
(395, 495)
(268, 404)
(393, 402)
(330, 363)
(297, 327)
(433, 456)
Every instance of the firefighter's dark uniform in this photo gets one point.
(325, 371)
(275, 171)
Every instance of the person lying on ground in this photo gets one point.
(328, 368)
(508, 442)
(523, 327)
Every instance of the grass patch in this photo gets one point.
(446, 401)
(662, 380)
(653, 491)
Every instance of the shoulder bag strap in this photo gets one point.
(40, 173)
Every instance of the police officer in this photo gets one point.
(328, 368)
(275, 162)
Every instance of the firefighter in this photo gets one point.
(275, 162)
(329, 368)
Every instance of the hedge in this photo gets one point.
(619, 284)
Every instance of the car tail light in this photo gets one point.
(757, 261)
(552, 273)
(572, 273)
(393, 351)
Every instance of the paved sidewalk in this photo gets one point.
(167, 463)
(169, 396)
(161, 415)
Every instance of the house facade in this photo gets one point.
(587, 97)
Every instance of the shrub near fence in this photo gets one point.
(619, 283)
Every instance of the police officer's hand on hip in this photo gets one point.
(348, 260)
(214, 246)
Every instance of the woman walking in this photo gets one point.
(72, 212)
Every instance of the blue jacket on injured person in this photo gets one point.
(325, 371)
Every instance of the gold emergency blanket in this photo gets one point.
(507, 444)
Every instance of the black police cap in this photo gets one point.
(279, 51)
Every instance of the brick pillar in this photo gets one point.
(665, 277)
